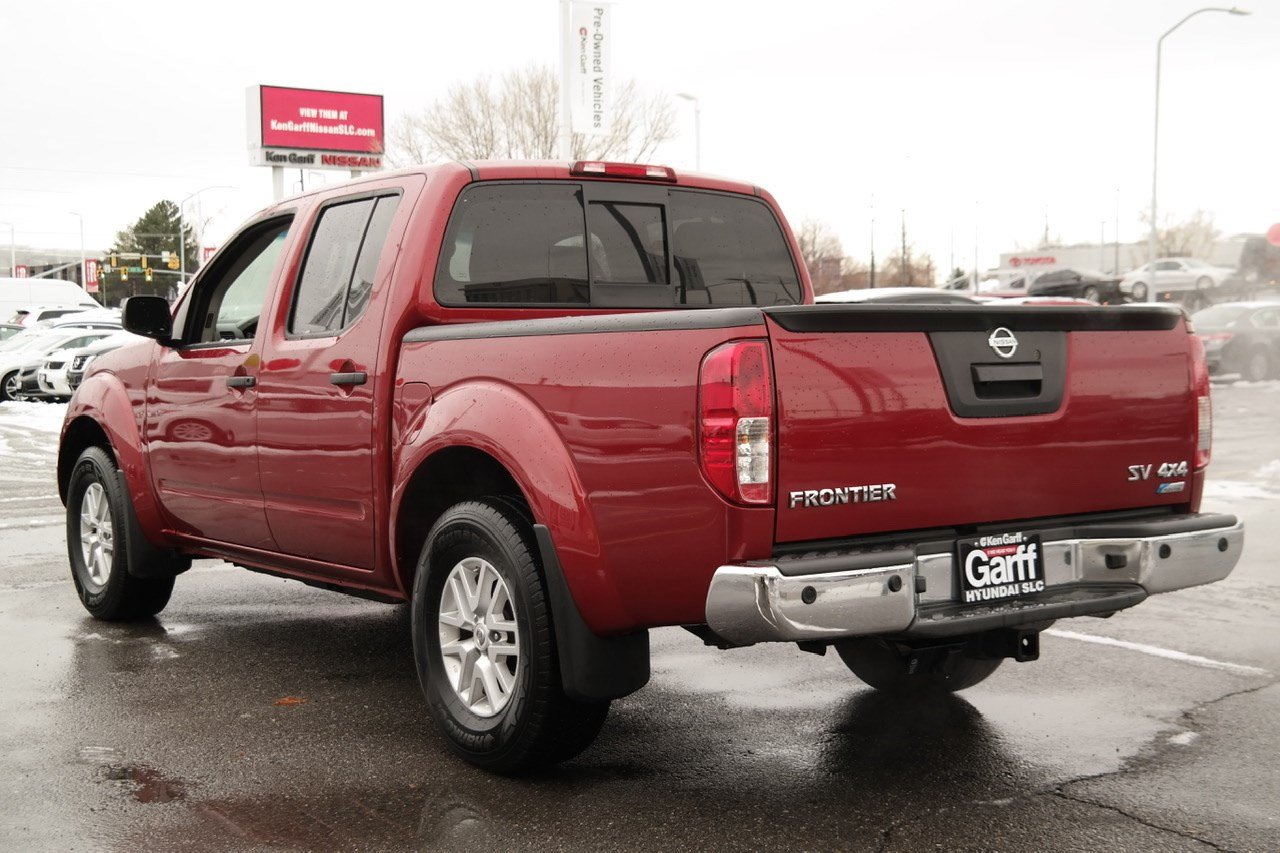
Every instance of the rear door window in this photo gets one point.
(337, 275)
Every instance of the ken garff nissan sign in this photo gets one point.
(314, 129)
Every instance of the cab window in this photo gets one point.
(229, 300)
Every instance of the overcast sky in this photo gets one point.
(978, 118)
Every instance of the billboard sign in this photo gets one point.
(91, 276)
(21, 271)
(588, 50)
(314, 129)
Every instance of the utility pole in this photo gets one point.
(872, 282)
(905, 272)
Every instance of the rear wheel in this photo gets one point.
(485, 647)
(1257, 367)
(885, 666)
(1090, 293)
(98, 545)
(1140, 292)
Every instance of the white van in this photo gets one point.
(23, 294)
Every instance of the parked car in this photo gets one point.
(28, 358)
(1189, 281)
(22, 294)
(438, 398)
(1077, 284)
(1241, 337)
(899, 295)
(8, 330)
(31, 315)
(83, 357)
(103, 320)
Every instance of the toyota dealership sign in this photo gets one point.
(314, 129)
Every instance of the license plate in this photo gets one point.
(1000, 566)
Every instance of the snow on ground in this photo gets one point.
(1237, 489)
(35, 417)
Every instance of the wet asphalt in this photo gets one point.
(259, 714)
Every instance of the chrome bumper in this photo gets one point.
(897, 591)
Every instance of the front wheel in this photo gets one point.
(1090, 293)
(485, 647)
(1140, 292)
(1257, 367)
(98, 545)
(10, 387)
(886, 667)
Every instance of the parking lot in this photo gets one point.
(257, 713)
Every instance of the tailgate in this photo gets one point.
(910, 417)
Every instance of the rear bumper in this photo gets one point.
(912, 590)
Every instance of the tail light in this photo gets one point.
(735, 421)
(1216, 340)
(1204, 406)
(603, 169)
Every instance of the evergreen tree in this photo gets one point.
(156, 232)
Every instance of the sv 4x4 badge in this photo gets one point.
(1005, 565)
(1166, 471)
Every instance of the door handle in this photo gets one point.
(355, 377)
(241, 381)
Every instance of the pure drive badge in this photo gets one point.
(1000, 566)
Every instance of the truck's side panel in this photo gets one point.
(600, 432)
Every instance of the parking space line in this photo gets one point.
(1157, 651)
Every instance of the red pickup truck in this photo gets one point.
(552, 406)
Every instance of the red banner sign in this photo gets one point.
(313, 120)
(91, 276)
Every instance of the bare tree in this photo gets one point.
(516, 118)
(1188, 238)
(918, 271)
(823, 255)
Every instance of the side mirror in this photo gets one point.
(148, 316)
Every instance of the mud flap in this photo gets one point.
(592, 668)
(144, 559)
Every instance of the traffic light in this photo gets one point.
(115, 261)
(124, 273)
(147, 275)
(144, 262)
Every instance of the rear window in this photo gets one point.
(530, 244)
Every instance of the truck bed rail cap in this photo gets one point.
(648, 321)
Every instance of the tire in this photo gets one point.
(1140, 292)
(518, 718)
(1194, 301)
(883, 666)
(1090, 293)
(10, 386)
(1257, 366)
(98, 545)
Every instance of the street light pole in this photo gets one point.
(697, 128)
(1155, 141)
(182, 230)
(83, 278)
(13, 250)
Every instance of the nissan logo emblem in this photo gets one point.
(1003, 343)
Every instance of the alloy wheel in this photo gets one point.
(479, 636)
(97, 541)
